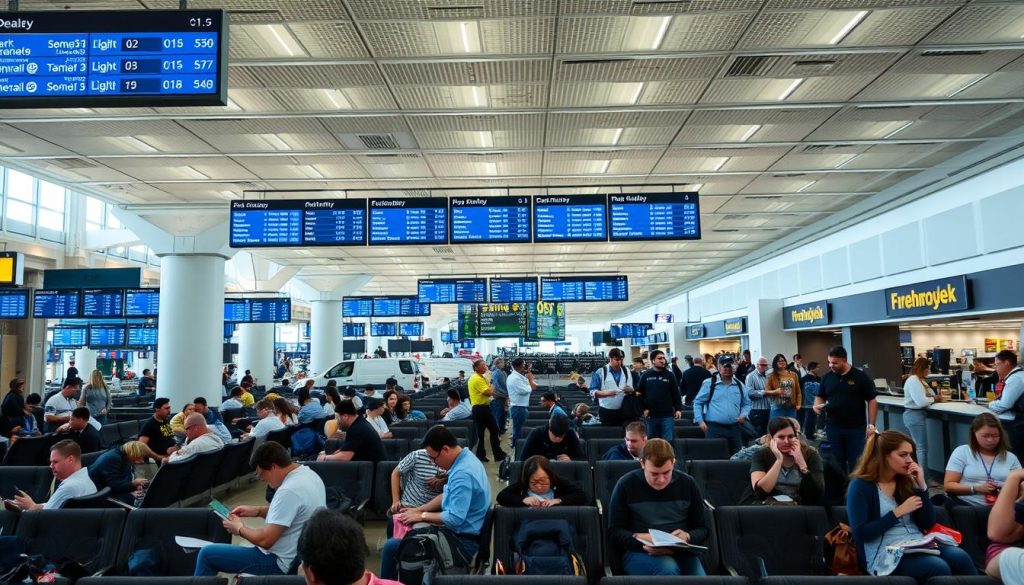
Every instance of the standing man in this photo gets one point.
(659, 390)
(842, 396)
(59, 407)
(609, 385)
(520, 385)
(721, 405)
(744, 366)
(638, 367)
(797, 366)
(760, 405)
(693, 378)
(499, 400)
(1009, 403)
(480, 392)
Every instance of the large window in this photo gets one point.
(20, 190)
(52, 200)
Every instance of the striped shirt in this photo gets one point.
(756, 382)
(416, 469)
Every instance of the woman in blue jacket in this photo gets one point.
(115, 469)
(887, 503)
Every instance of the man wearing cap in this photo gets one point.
(555, 440)
(721, 405)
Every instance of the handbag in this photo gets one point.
(840, 552)
(399, 528)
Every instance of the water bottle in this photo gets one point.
(970, 394)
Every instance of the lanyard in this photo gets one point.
(987, 468)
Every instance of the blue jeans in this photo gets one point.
(641, 563)
(914, 420)
(660, 428)
(498, 410)
(808, 421)
(518, 416)
(229, 558)
(389, 555)
(778, 411)
(951, 560)
(730, 433)
(846, 445)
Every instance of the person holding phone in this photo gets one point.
(887, 503)
(786, 470)
(66, 465)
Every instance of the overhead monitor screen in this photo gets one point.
(387, 306)
(66, 59)
(622, 330)
(357, 307)
(655, 216)
(562, 289)
(103, 302)
(142, 336)
(513, 290)
(142, 302)
(412, 307)
(383, 329)
(503, 320)
(353, 330)
(265, 224)
(545, 321)
(334, 222)
(14, 303)
(70, 337)
(410, 329)
(452, 290)
(421, 220)
(469, 322)
(570, 218)
(490, 219)
(448, 336)
(237, 310)
(270, 310)
(107, 336)
(399, 346)
(56, 304)
(353, 346)
(606, 288)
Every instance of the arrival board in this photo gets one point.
(107, 336)
(452, 290)
(142, 302)
(357, 307)
(103, 302)
(513, 290)
(656, 216)
(270, 310)
(142, 336)
(489, 219)
(265, 224)
(14, 303)
(422, 220)
(334, 222)
(569, 218)
(56, 304)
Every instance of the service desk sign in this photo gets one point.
(927, 298)
(807, 315)
(736, 326)
(695, 331)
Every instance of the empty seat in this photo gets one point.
(29, 451)
(200, 479)
(597, 447)
(167, 486)
(90, 537)
(156, 529)
(382, 486)
(96, 500)
(578, 472)
(353, 479)
(840, 580)
(686, 432)
(972, 522)
(709, 580)
(772, 540)
(272, 580)
(701, 449)
(8, 520)
(583, 520)
(153, 581)
(602, 432)
(110, 435)
(723, 483)
(282, 437)
(395, 449)
(508, 580)
(964, 580)
(235, 463)
(34, 480)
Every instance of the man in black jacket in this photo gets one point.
(555, 440)
(693, 377)
(80, 431)
(659, 390)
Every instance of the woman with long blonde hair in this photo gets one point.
(96, 396)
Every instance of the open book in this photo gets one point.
(928, 544)
(661, 538)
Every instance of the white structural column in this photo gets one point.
(324, 335)
(146, 363)
(764, 327)
(256, 351)
(85, 361)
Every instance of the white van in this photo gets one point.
(359, 373)
(437, 369)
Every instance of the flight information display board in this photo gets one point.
(412, 307)
(448, 336)
(575, 218)
(142, 302)
(357, 307)
(622, 330)
(606, 288)
(545, 321)
(655, 216)
(452, 290)
(237, 310)
(265, 224)
(14, 303)
(410, 329)
(353, 330)
(387, 306)
(142, 336)
(107, 336)
(70, 336)
(477, 220)
(103, 302)
(421, 220)
(573, 289)
(334, 222)
(503, 320)
(562, 289)
(56, 304)
(65, 59)
(469, 322)
(270, 310)
(513, 290)
(383, 329)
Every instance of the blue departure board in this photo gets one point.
(142, 302)
(69, 337)
(14, 303)
(513, 290)
(489, 219)
(237, 310)
(107, 336)
(103, 302)
(606, 288)
(410, 329)
(412, 307)
(64, 59)
(421, 220)
(265, 224)
(353, 330)
(334, 222)
(383, 329)
(452, 290)
(270, 310)
(575, 289)
(142, 336)
(357, 307)
(623, 330)
(56, 304)
(446, 336)
(569, 218)
(654, 216)
(387, 306)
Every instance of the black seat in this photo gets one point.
(153, 581)
(90, 458)
(200, 480)
(577, 471)
(156, 529)
(606, 474)
(90, 537)
(583, 520)
(701, 449)
(97, 500)
(521, 444)
(110, 435)
(687, 432)
(646, 580)
(710, 559)
(396, 449)
(597, 447)
(723, 483)
(414, 434)
(508, 580)
(8, 520)
(837, 514)
(468, 432)
(235, 462)
(128, 429)
(354, 479)
(29, 451)
(168, 485)
(840, 580)
(972, 522)
(382, 486)
(272, 580)
(963, 580)
(283, 437)
(34, 480)
(602, 432)
(751, 543)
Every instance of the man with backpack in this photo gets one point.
(610, 385)
(659, 390)
(722, 405)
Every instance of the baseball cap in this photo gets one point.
(725, 360)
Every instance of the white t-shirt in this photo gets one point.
(76, 485)
(300, 495)
(973, 470)
(328, 409)
(58, 405)
(378, 423)
(267, 425)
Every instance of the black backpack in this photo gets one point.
(545, 547)
(427, 552)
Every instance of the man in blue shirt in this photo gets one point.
(499, 400)
(461, 507)
(719, 414)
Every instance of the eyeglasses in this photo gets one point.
(434, 457)
(540, 481)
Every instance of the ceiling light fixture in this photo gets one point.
(137, 144)
(274, 141)
(195, 173)
(486, 139)
(848, 27)
(900, 129)
(696, 186)
(789, 90)
(337, 99)
(846, 162)
(721, 163)
(750, 132)
(636, 94)
(967, 85)
(310, 171)
(479, 98)
(284, 38)
(617, 136)
(806, 187)
(604, 164)
(659, 37)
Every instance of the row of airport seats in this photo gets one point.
(685, 449)
(542, 580)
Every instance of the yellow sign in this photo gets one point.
(7, 270)
(802, 315)
(926, 298)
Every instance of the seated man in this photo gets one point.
(656, 496)
(375, 416)
(80, 431)
(461, 508)
(268, 420)
(198, 439)
(362, 443)
(1005, 556)
(457, 409)
(234, 402)
(549, 400)
(59, 406)
(299, 492)
(636, 438)
(213, 420)
(333, 551)
(66, 465)
(156, 432)
(555, 440)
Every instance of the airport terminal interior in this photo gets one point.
(572, 292)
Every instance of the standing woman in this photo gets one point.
(96, 396)
(917, 397)
(783, 387)
(887, 503)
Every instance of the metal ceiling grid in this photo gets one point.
(809, 28)
(450, 9)
(430, 39)
(613, 129)
(305, 76)
(485, 165)
(980, 23)
(696, 32)
(478, 131)
(273, 11)
(626, 7)
(471, 97)
(460, 73)
(178, 169)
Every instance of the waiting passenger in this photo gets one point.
(156, 432)
(786, 469)
(115, 469)
(333, 550)
(96, 397)
(630, 449)
(390, 404)
(286, 410)
(887, 503)
(720, 413)
(457, 409)
(404, 410)
(74, 481)
(783, 389)
(415, 482)
(248, 400)
(1005, 556)
(59, 406)
(555, 440)
(657, 496)
(234, 402)
(80, 431)
(268, 421)
(178, 420)
(375, 416)
(549, 400)
(331, 399)
(659, 390)
(538, 486)
(362, 443)
(977, 471)
(309, 407)
(198, 439)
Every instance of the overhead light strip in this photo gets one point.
(848, 27)
(789, 90)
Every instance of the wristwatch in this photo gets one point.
(973, 490)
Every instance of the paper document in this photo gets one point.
(661, 538)
(928, 544)
(188, 542)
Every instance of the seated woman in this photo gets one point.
(309, 407)
(331, 399)
(887, 503)
(178, 420)
(1005, 556)
(977, 470)
(115, 469)
(286, 411)
(786, 468)
(539, 486)
(404, 411)
(390, 402)
(657, 496)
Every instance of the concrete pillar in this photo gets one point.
(324, 335)
(256, 351)
(85, 361)
(764, 330)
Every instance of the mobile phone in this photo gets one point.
(220, 509)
